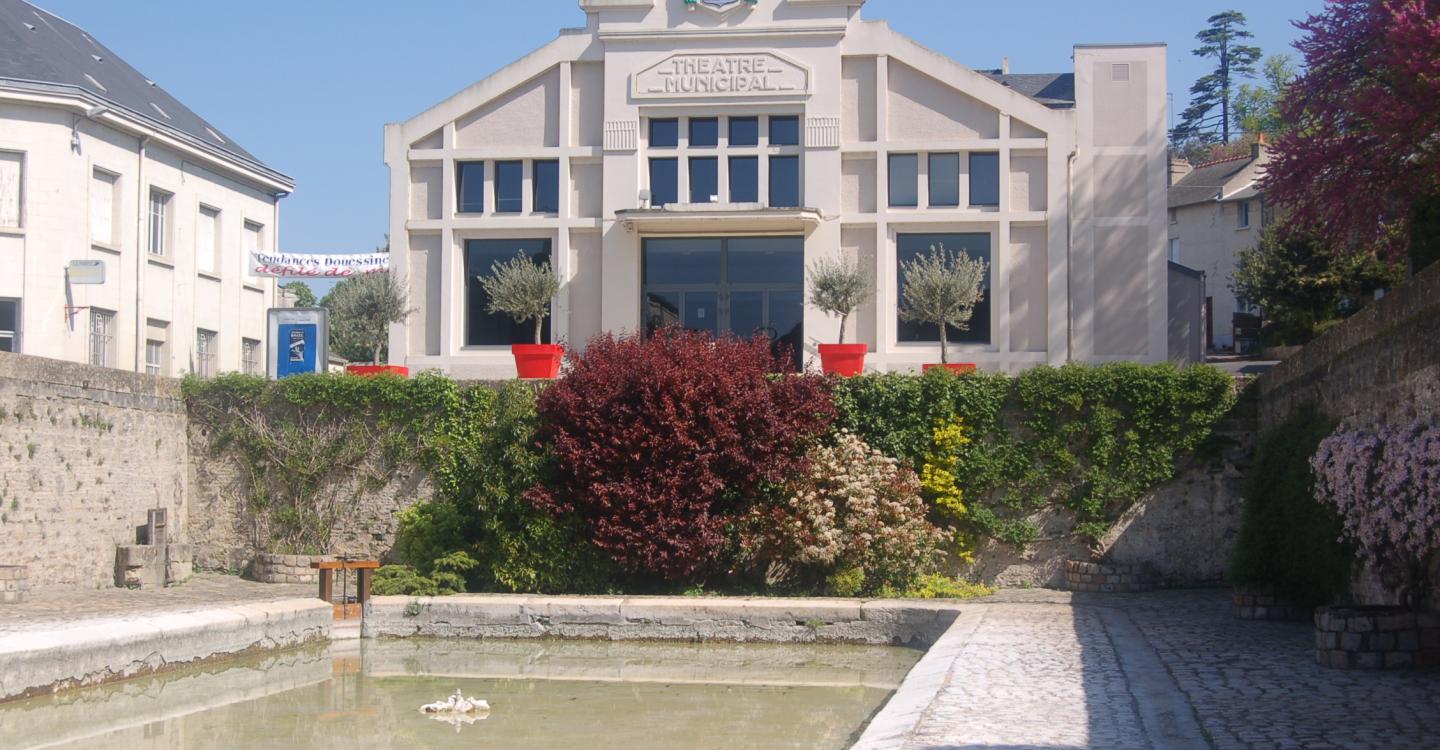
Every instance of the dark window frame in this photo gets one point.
(936, 171)
(714, 139)
(754, 195)
(503, 249)
(891, 181)
(751, 121)
(477, 182)
(784, 122)
(979, 331)
(799, 181)
(674, 186)
(505, 203)
(713, 162)
(984, 155)
(663, 123)
(545, 198)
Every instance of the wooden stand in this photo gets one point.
(364, 569)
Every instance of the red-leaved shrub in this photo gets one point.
(659, 441)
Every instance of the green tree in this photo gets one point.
(361, 311)
(942, 287)
(1302, 281)
(1257, 108)
(522, 289)
(303, 296)
(1217, 89)
(837, 287)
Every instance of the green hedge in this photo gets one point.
(1090, 439)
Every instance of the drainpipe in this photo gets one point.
(141, 200)
(1069, 246)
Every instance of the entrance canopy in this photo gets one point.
(748, 218)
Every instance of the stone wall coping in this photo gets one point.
(101, 649)
(91, 379)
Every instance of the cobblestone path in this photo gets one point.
(56, 607)
(1052, 670)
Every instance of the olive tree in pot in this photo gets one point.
(522, 289)
(943, 287)
(837, 287)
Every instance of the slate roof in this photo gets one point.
(1054, 90)
(39, 48)
(1205, 182)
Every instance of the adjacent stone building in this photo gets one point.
(99, 164)
(685, 161)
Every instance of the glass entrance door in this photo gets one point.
(742, 285)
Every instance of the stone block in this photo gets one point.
(1399, 621)
(1407, 640)
(1381, 642)
(1399, 659)
(1338, 659)
(1360, 624)
(1430, 638)
(1369, 660)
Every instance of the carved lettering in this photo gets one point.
(722, 74)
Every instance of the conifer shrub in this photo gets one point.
(659, 442)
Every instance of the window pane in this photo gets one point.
(702, 312)
(766, 260)
(784, 131)
(682, 261)
(661, 309)
(985, 179)
(664, 182)
(944, 179)
(910, 246)
(9, 314)
(470, 184)
(785, 181)
(664, 133)
(509, 186)
(704, 178)
(747, 314)
(483, 328)
(904, 180)
(744, 179)
(11, 166)
(547, 187)
(704, 132)
(744, 131)
(786, 324)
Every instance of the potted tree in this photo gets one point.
(522, 289)
(837, 287)
(943, 287)
(361, 311)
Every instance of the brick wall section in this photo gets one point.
(84, 453)
(1381, 366)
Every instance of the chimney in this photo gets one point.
(1005, 66)
(1179, 167)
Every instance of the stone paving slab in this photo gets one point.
(58, 607)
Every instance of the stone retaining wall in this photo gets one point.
(661, 618)
(1107, 578)
(271, 568)
(1376, 638)
(103, 649)
(1264, 604)
(14, 583)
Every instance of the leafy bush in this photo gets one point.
(659, 442)
(447, 577)
(1288, 541)
(1089, 439)
(936, 586)
(1385, 486)
(854, 519)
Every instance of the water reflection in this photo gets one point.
(544, 694)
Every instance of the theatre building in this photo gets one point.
(684, 162)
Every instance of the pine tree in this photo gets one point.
(1217, 89)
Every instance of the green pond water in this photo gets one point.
(543, 695)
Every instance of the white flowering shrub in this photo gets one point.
(1386, 488)
(853, 523)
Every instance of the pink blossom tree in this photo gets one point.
(1362, 155)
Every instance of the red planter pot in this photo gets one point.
(843, 359)
(959, 368)
(369, 370)
(537, 361)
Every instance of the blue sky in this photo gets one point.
(307, 85)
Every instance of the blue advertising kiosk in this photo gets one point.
(299, 340)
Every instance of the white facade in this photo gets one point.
(1075, 231)
(82, 177)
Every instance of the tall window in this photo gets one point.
(207, 240)
(12, 168)
(985, 179)
(904, 176)
(785, 181)
(546, 187)
(102, 207)
(470, 185)
(785, 131)
(102, 337)
(744, 179)
(664, 181)
(509, 187)
(944, 180)
(250, 356)
(1242, 215)
(704, 179)
(204, 352)
(489, 329)
(157, 346)
(910, 246)
(1174, 249)
(9, 325)
(159, 222)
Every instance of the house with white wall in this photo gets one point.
(100, 164)
(1216, 211)
(684, 162)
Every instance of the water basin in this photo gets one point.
(543, 694)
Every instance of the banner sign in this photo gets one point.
(308, 266)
